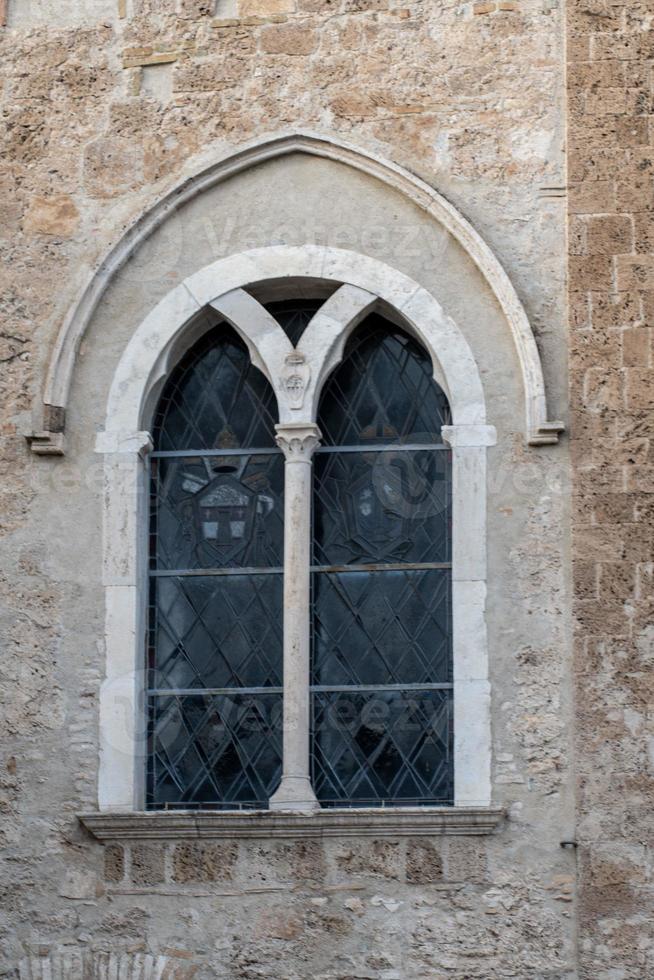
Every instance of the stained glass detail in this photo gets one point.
(382, 636)
(216, 399)
(383, 747)
(216, 556)
(383, 391)
(381, 507)
(215, 750)
(216, 632)
(386, 627)
(218, 511)
(294, 315)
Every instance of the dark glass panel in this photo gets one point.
(216, 631)
(215, 749)
(383, 391)
(294, 315)
(382, 507)
(383, 747)
(216, 399)
(382, 628)
(218, 511)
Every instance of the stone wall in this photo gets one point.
(107, 106)
(611, 166)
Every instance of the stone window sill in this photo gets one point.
(266, 824)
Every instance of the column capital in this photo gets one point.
(298, 440)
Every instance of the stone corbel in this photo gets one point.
(50, 440)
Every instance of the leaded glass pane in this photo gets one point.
(383, 391)
(382, 507)
(218, 511)
(216, 584)
(294, 316)
(382, 747)
(215, 749)
(385, 627)
(216, 399)
(382, 636)
(216, 631)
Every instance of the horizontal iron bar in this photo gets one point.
(173, 453)
(208, 572)
(216, 805)
(314, 688)
(387, 448)
(163, 692)
(340, 803)
(384, 803)
(390, 567)
(273, 450)
(337, 688)
(278, 570)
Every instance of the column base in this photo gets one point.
(294, 793)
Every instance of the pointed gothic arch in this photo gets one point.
(538, 430)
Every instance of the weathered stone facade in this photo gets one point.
(107, 106)
(610, 54)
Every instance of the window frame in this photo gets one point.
(365, 285)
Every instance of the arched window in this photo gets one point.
(317, 552)
(216, 556)
(381, 637)
(382, 640)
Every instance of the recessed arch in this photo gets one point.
(538, 429)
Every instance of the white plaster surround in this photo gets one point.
(538, 430)
(296, 377)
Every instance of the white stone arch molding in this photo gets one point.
(538, 429)
(297, 376)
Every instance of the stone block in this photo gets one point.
(380, 858)
(276, 862)
(289, 39)
(637, 347)
(592, 197)
(200, 862)
(114, 863)
(318, 6)
(639, 388)
(147, 864)
(593, 270)
(610, 309)
(602, 543)
(467, 860)
(635, 194)
(604, 389)
(55, 215)
(586, 579)
(617, 580)
(264, 8)
(609, 234)
(635, 272)
(424, 864)
(112, 167)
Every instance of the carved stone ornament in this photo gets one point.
(295, 379)
(297, 440)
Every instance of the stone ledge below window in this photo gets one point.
(266, 824)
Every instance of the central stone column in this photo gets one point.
(298, 442)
